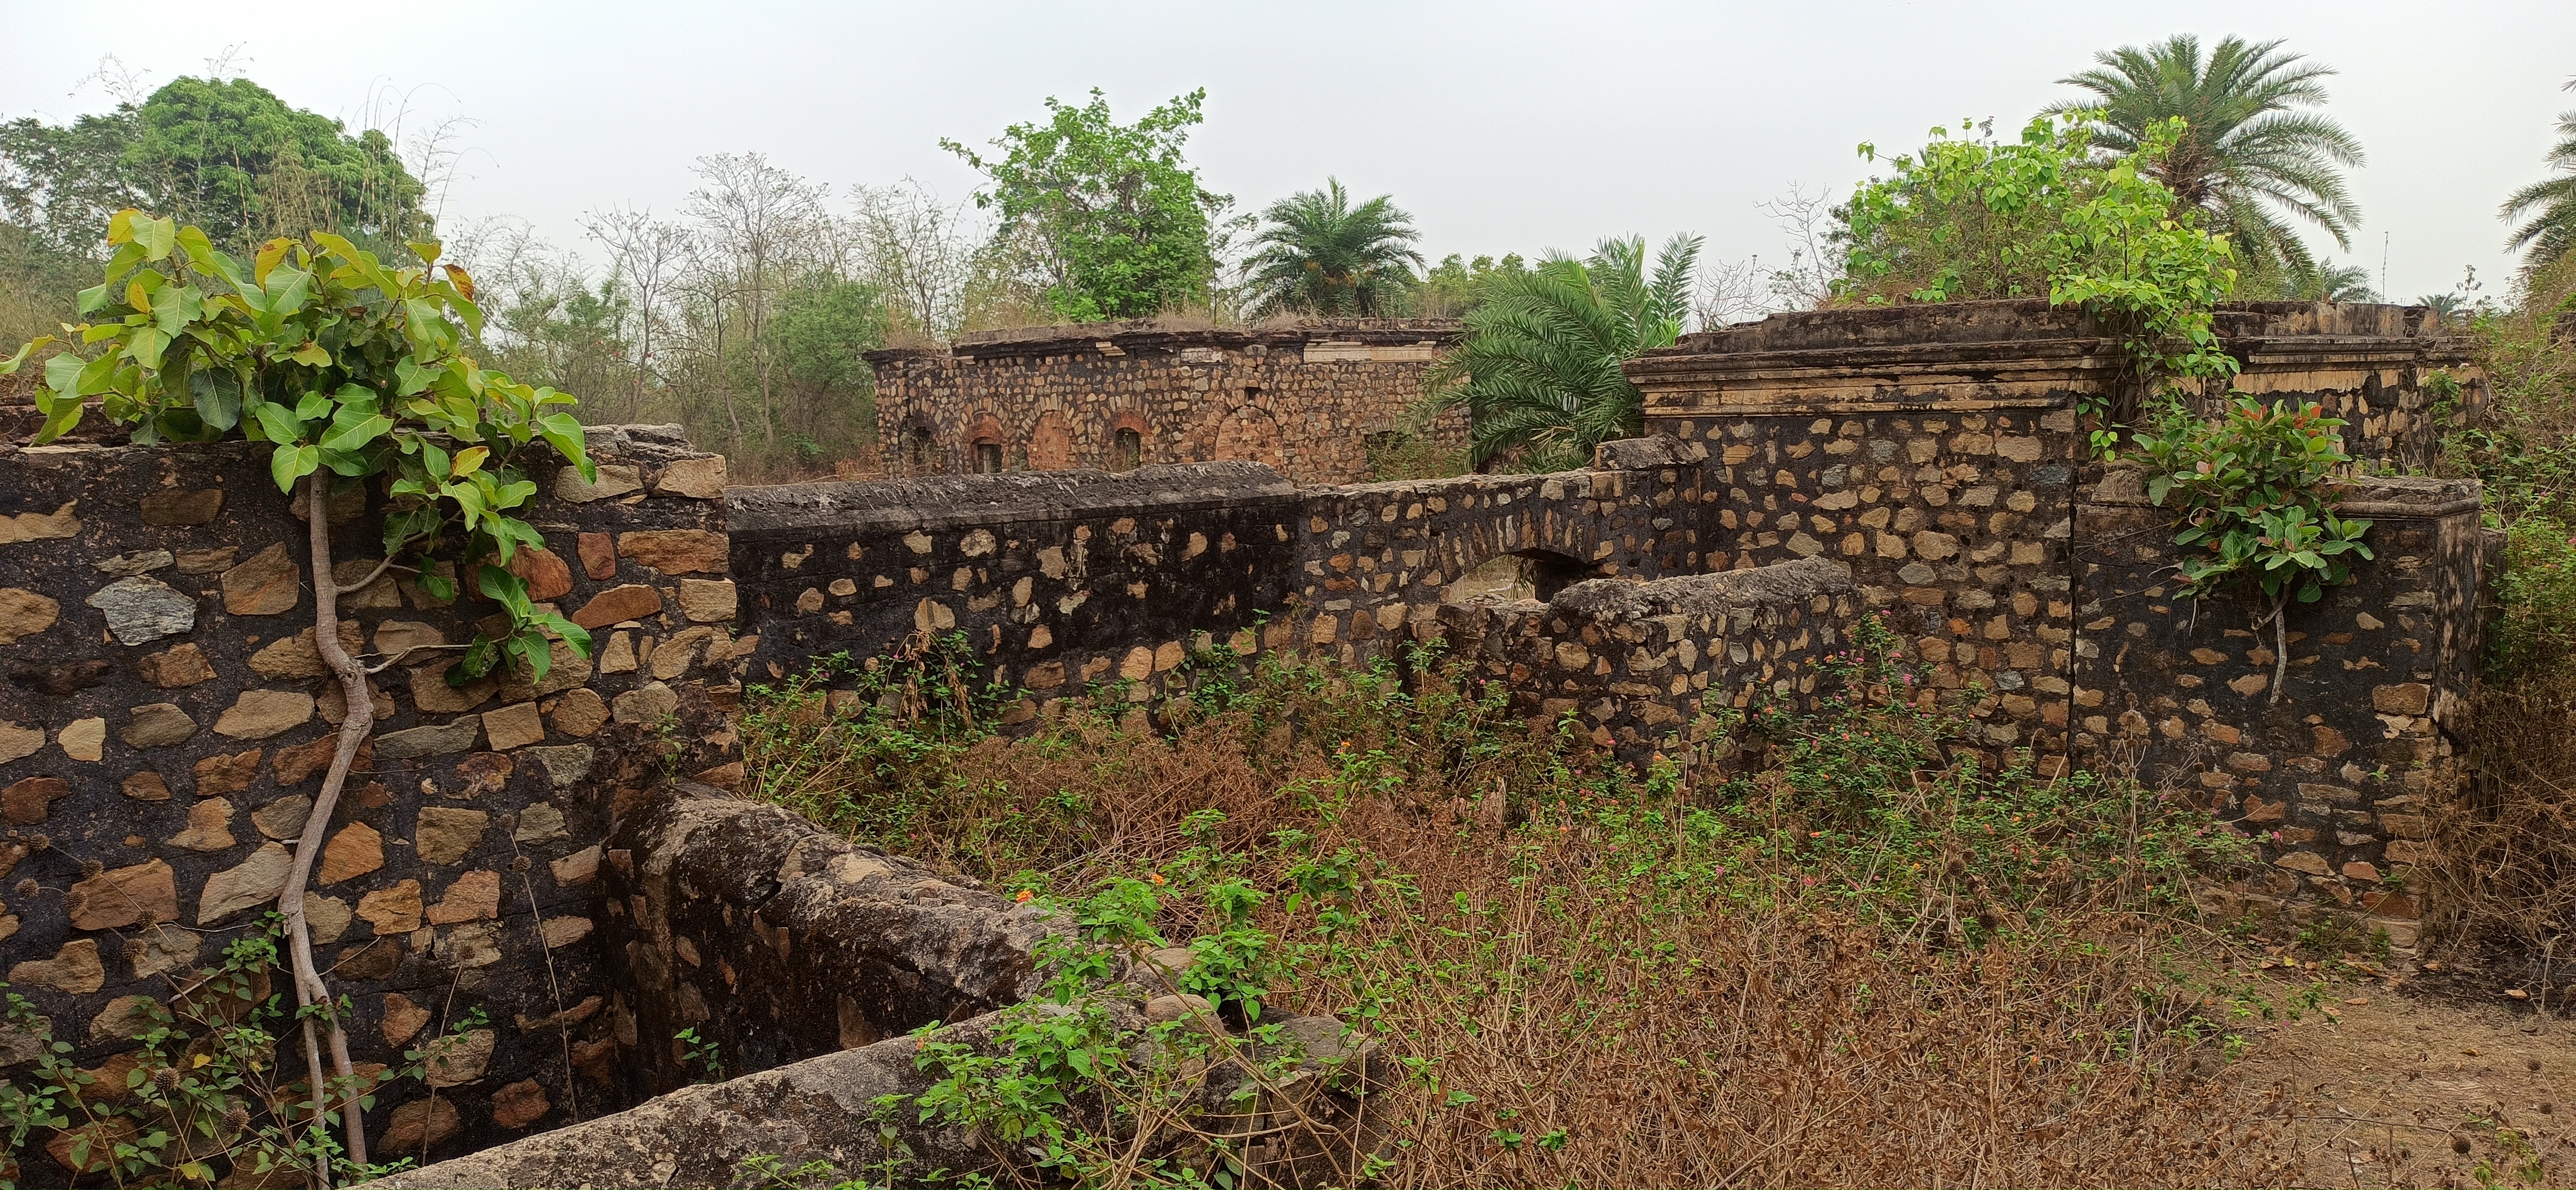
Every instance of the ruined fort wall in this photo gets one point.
(166, 722)
(1063, 580)
(1304, 399)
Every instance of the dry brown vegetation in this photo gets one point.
(1854, 969)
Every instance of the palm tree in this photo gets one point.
(1321, 255)
(1537, 367)
(2246, 157)
(2331, 282)
(2551, 204)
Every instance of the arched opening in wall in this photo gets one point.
(984, 439)
(1249, 433)
(988, 457)
(916, 449)
(1051, 443)
(1128, 438)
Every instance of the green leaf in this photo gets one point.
(311, 354)
(291, 463)
(281, 426)
(313, 407)
(62, 373)
(358, 434)
(426, 250)
(158, 237)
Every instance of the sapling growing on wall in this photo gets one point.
(354, 371)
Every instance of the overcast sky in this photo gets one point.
(1501, 127)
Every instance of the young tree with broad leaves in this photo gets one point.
(354, 373)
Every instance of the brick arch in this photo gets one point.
(1132, 421)
(983, 429)
(1051, 443)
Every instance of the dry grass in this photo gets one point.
(1597, 977)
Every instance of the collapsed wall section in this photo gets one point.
(166, 721)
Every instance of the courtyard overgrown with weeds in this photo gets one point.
(1827, 947)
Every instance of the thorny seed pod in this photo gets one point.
(166, 1078)
(238, 1118)
(519, 864)
(40, 841)
(90, 869)
(2460, 1144)
(26, 889)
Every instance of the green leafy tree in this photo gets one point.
(1981, 218)
(2247, 156)
(1110, 219)
(2250, 489)
(822, 326)
(1537, 367)
(1318, 254)
(233, 158)
(2547, 209)
(1456, 284)
(354, 374)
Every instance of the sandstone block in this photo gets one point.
(157, 725)
(255, 881)
(133, 562)
(544, 572)
(444, 834)
(40, 526)
(284, 818)
(560, 932)
(144, 785)
(431, 695)
(295, 657)
(394, 910)
(580, 712)
(30, 800)
(708, 601)
(183, 666)
(125, 1018)
(598, 555)
(457, 1058)
(84, 739)
(648, 704)
(355, 851)
(18, 741)
(146, 892)
(540, 823)
(564, 765)
(2408, 698)
(435, 740)
(401, 1019)
(220, 775)
(520, 1104)
(475, 896)
(266, 585)
(259, 714)
(74, 969)
(613, 481)
(699, 479)
(209, 826)
(423, 1123)
(675, 551)
(576, 869)
(514, 726)
(26, 613)
(183, 506)
(634, 601)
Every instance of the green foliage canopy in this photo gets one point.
(1111, 217)
(2245, 152)
(1537, 367)
(2546, 209)
(1975, 217)
(344, 366)
(1319, 254)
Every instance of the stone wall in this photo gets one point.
(166, 722)
(1066, 579)
(2338, 778)
(1637, 662)
(1306, 398)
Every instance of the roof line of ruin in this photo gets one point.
(1173, 334)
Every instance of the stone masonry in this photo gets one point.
(165, 723)
(1305, 398)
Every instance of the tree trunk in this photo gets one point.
(359, 719)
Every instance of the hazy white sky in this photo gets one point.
(1502, 127)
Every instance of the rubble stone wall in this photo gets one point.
(1305, 398)
(166, 722)
(1064, 580)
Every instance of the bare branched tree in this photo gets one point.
(646, 255)
(760, 224)
(918, 252)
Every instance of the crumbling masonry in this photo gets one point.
(517, 848)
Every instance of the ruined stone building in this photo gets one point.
(517, 848)
(1308, 399)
